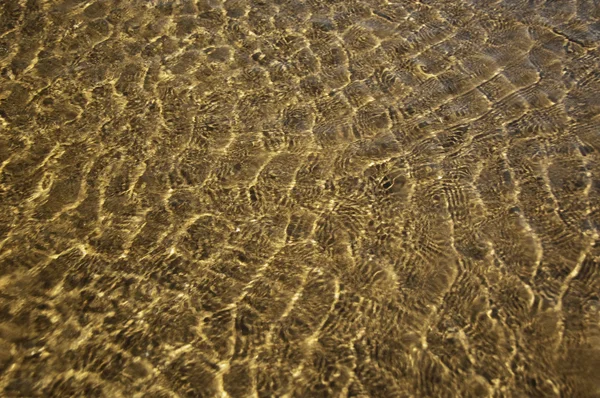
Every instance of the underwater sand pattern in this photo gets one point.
(299, 198)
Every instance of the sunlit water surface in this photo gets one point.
(287, 198)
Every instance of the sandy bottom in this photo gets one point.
(289, 198)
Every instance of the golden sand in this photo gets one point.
(299, 198)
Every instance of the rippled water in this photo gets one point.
(299, 198)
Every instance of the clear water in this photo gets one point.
(299, 198)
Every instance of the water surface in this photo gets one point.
(285, 198)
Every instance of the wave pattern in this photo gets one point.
(299, 198)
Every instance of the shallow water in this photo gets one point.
(299, 198)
